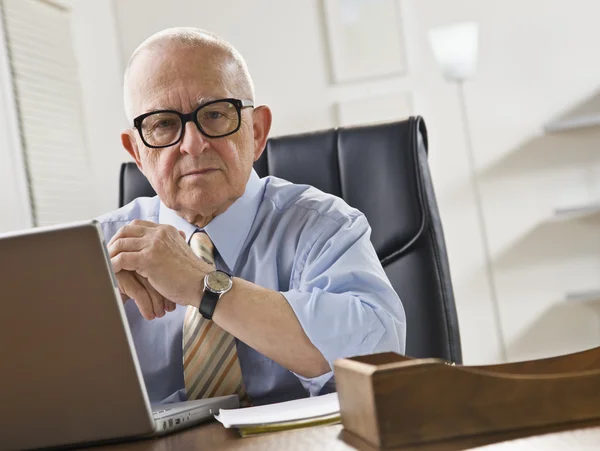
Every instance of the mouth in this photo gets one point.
(199, 172)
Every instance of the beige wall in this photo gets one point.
(537, 59)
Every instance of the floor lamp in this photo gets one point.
(455, 50)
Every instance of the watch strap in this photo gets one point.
(208, 303)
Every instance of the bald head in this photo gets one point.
(228, 62)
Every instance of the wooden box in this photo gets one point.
(390, 401)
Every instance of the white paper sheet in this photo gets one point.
(298, 409)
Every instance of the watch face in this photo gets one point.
(218, 281)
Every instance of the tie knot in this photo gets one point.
(203, 247)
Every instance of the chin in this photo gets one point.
(198, 202)
(204, 201)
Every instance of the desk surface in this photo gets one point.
(214, 437)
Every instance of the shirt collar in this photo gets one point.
(229, 230)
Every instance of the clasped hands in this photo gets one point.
(156, 268)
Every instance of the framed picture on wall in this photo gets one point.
(375, 109)
(365, 39)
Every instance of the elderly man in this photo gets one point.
(231, 283)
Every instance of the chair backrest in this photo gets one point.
(382, 170)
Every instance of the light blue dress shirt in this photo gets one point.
(310, 246)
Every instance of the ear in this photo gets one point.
(130, 144)
(262, 125)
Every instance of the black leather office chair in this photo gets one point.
(382, 170)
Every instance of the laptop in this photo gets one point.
(68, 367)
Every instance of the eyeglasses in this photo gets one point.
(214, 119)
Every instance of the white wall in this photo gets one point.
(97, 48)
(534, 65)
(14, 202)
(15, 209)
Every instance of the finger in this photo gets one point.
(143, 223)
(127, 261)
(136, 228)
(136, 291)
(170, 306)
(182, 233)
(121, 282)
(158, 304)
(126, 245)
(130, 230)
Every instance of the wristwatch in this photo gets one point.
(216, 284)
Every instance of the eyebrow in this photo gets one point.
(203, 99)
(200, 100)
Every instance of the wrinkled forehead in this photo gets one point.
(178, 79)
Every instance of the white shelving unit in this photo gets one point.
(574, 123)
(583, 296)
(576, 212)
(579, 212)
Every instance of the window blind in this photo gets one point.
(45, 78)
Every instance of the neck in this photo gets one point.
(202, 220)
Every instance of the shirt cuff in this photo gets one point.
(314, 385)
(339, 325)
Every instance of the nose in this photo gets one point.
(193, 142)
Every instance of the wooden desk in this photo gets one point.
(213, 437)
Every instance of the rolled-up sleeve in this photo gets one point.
(343, 298)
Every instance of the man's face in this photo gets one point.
(199, 175)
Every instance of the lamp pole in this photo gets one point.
(476, 188)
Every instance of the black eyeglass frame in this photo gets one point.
(193, 117)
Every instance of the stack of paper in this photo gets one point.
(316, 411)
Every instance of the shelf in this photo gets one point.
(573, 123)
(580, 211)
(583, 296)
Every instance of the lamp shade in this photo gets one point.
(455, 49)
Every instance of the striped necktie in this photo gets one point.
(210, 361)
